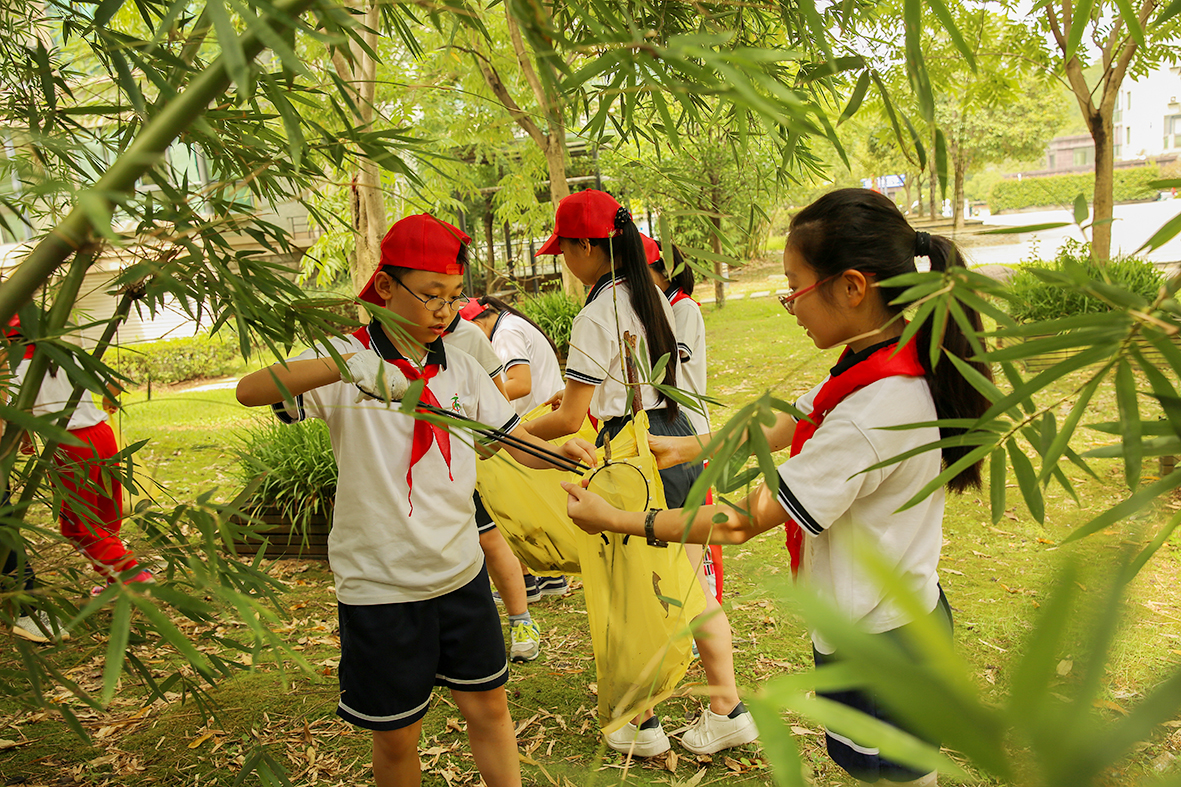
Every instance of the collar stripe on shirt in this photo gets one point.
(603, 283)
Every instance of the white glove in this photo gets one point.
(376, 379)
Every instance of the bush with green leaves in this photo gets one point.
(1133, 183)
(177, 360)
(554, 313)
(1037, 297)
(293, 469)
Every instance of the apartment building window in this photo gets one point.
(1172, 131)
(1083, 156)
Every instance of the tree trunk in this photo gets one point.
(933, 173)
(716, 240)
(1102, 208)
(559, 189)
(918, 182)
(957, 193)
(366, 206)
(490, 240)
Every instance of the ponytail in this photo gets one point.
(631, 264)
(859, 229)
(683, 278)
(494, 305)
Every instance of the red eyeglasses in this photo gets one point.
(788, 300)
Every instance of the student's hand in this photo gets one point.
(669, 451)
(555, 401)
(376, 379)
(580, 451)
(589, 511)
(110, 406)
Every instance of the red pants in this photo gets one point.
(92, 500)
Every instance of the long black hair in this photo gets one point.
(683, 279)
(631, 264)
(493, 306)
(859, 229)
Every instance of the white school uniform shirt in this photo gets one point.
(381, 552)
(595, 351)
(54, 395)
(468, 337)
(845, 512)
(518, 342)
(689, 327)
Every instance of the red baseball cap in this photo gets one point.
(651, 250)
(587, 214)
(473, 309)
(422, 243)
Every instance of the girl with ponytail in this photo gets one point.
(602, 247)
(838, 251)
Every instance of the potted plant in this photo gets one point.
(293, 476)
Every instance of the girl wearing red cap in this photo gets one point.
(836, 495)
(603, 248)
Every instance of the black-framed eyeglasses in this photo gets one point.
(435, 304)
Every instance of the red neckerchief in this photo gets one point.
(889, 361)
(425, 432)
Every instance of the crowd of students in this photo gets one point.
(414, 555)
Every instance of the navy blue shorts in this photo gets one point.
(393, 655)
(863, 762)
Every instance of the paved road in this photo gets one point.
(1133, 225)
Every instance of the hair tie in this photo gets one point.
(622, 218)
(922, 244)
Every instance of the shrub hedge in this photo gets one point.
(296, 466)
(1035, 300)
(176, 360)
(1129, 184)
(554, 313)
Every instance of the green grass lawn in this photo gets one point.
(996, 577)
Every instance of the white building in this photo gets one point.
(1148, 115)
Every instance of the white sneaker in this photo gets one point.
(630, 739)
(38, 627)
(525, 642)
(713, 732)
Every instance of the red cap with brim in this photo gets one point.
(651, 250)
(473, 310)
(587, 214)
(421, 243)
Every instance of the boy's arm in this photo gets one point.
(262, 387)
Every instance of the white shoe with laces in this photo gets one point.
(38, 627)
(712, 732)
(638, 741)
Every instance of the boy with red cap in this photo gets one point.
(413, 595)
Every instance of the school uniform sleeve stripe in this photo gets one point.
(499, 369)
(685, 350)
(284, 414)
(796, 510)
(515, 362)
(512, 424)
(580, 377)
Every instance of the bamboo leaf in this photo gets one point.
(237, 65)
(855, 98)
(1129, 413)
(119, 634)
(1062, 438)
(941, 162)
(1028, 483)
(1131, 505)
(1166, 233)
(1081, 209)
(1170, 11)
(1078, 26)
(949, 25)
(996, 484)
(1131, 21)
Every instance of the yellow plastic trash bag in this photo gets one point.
(529, 508)
(639, 599)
